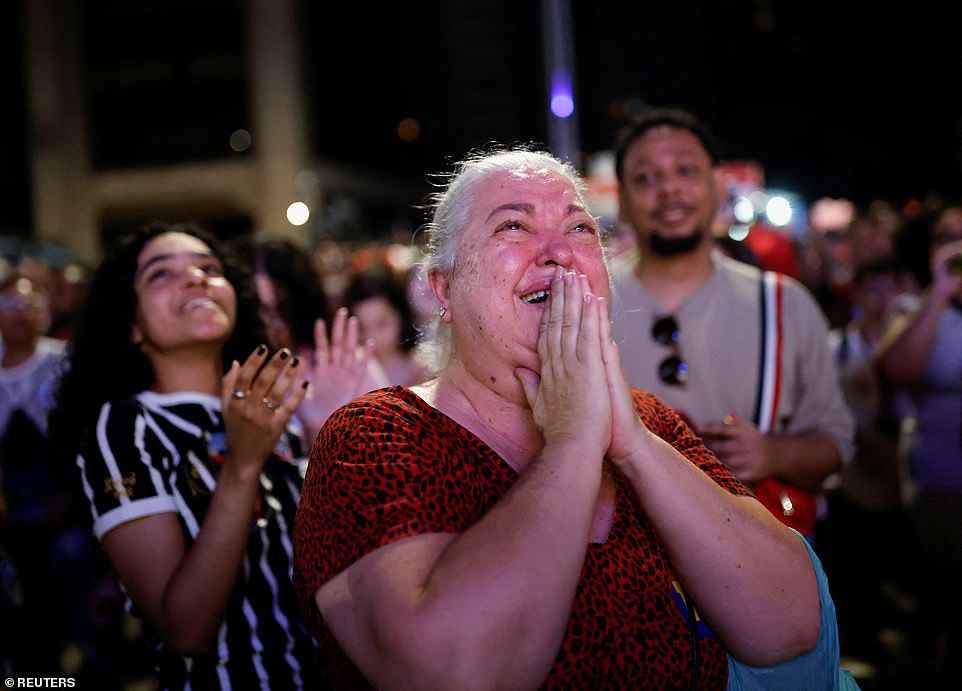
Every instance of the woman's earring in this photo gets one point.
(442, 312)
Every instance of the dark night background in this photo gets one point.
(852, 99)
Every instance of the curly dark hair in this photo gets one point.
(652, 117)
(103, 363)
(382, 283)
(301, 299)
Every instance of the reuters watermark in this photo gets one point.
(39, 682)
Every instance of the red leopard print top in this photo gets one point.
(388, 466)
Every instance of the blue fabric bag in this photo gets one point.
(816, 670)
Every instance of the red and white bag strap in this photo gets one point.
(770, 379)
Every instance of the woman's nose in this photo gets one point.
(556, 251)
(194, 275)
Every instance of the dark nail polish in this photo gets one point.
(261, 349)
(295, 361)
(284, 354)
(305, 384)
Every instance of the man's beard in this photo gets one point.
(671, 247)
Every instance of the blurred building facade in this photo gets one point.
(228, 111)
(80, 187)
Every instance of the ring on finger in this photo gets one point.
(238, 394)
(270, 404)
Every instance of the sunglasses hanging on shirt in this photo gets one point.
(673, 369)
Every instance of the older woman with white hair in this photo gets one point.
(526, 519)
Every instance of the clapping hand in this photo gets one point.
(258, 399)
(343, 368)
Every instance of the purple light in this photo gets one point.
(562, 104)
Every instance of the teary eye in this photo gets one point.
(510, 226)
(585, 227)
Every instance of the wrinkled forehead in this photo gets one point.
(524, 184)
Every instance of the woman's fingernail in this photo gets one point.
(295, 361)
(284, 354)
(261, 349)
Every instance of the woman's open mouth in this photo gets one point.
(536, 297)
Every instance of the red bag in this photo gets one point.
(794, 507)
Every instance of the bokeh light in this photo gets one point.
(408, 130)
(298, 213)
(240, 140)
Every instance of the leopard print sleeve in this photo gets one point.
(661, 419)
(385, 467)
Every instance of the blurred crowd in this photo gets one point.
(60, 603)
(886, 279)
(889, 521)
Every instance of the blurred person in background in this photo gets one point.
(865, 536)
(177, 414)
(68, 288)
(40, 524)
(694, 327)
(379, 300)
(297, 312)
(921, 352)
(290, 291)
(873, 233)
(826, 258)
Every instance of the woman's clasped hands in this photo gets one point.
(581, 394)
